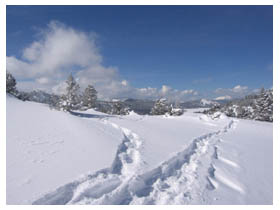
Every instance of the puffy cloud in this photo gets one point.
(239, 89)
(20, 69)
(43, 80)
(148, 92)
(32, 53)
(124, 83)
(45, 63)
(223, 98)
(236, 91)
(60, 50)
(165, 89)
(177, 95)
(191, 91)
(219, 90)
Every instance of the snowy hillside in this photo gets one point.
(89, 157)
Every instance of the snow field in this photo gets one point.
(94, 158)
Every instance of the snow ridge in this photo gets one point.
(175, 181)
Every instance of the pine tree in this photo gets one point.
(54, 101)
(11, 88)
(161, 107)
(264, 106)
(118, 108)
(176, 111)
(11, 84)
(257, 107)
(89, 97)
(70, 100)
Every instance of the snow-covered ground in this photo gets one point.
(93, 158)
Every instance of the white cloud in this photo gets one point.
(124, 83)
(20, 69)
(223, 98)
(148, 92)
(177, 95)
(60, 50)
(32, 53)
(43, 80)
(165, 89)
(239, 89)
(187, 92)
(59, 88)
(236, 91)
(218, 90)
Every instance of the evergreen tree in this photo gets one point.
(176, 111)
(161, 107)
(11, 84)
(24, 96)
(118, 108)
(54, 101)
(89, 97)
(70, 100)
(257, 107)
(11, 88)
(264, 106)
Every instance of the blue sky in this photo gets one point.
(200, 48)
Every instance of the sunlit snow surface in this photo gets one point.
(93, 158)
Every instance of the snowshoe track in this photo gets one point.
(127, 162)
(175, 181)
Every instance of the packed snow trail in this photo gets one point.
(127, 162)
(178, 180)
(175, 181)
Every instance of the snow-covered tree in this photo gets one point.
(70, 100)
(257, 107)
(118, 108)
(264, 106)
(89, 97)
(54, 101)
(161, 107)
(176, 111)
(11, 84)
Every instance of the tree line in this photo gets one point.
(71, 100)
(256, 107)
